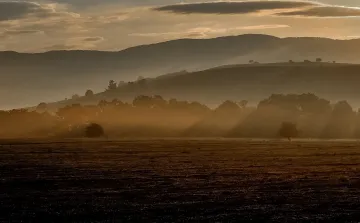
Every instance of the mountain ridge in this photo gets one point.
(55, 75)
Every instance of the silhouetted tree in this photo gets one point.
(285, 102)
(318, 60)
(342, 121)
(116, 102)
(198, 107)
(75, 97)
(288, 130)
(94, 131)
(112, 85)
(71, 113)
(251, 61)
(228, 106)
(102, 103)
(143, 101)
(159, 102)
(311, 103)
(357, 125)
(291, 61)
(89, 93)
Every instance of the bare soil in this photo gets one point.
(180, 181)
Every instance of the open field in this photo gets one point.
(180, 181)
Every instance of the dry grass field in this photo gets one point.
(180, 181)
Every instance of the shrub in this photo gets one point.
(288, 130)
(94, 131)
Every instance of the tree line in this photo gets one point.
(280, 115)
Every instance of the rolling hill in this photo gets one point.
(252, 82)
(27, 79)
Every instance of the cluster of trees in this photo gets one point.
(317, 60)
(112, 86)
(305, 116)
(142, 84)
(315, 117)
(23, 123)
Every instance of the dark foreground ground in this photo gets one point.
(180, 181)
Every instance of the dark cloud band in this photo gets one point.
(13, 10)
(10, 10)
(232, 7)
(293, 8)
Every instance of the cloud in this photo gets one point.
(11, 33)
(13, 10)
(55, 20)
(232, 7)
(21, 32)
(63, 46)
(203, 32)
(287, 8)
(76, 43)
(10, 10)
(84, 4)
(93, 39)
(324, 11)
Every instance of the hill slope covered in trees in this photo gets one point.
(28, 78)
(251, 82)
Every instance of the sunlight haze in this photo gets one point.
(37, 26)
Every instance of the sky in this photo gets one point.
(113, 25)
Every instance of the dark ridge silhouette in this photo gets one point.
(51, 75)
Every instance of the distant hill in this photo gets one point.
(26, 79)
(252, 82)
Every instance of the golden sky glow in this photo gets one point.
(30, 26)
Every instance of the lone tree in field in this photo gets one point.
(288, 130)
(94, 131)
(319, 60)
